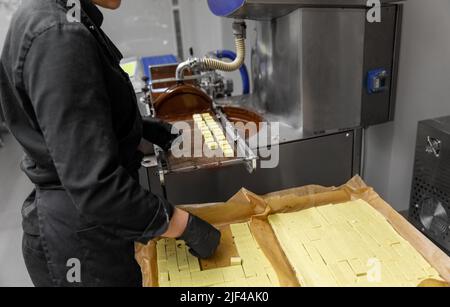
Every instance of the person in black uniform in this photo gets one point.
(74, 111)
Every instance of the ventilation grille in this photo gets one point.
(430, 211)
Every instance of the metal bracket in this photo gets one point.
(240, 29)
(250, 157)
(150, 162)
(162, 169)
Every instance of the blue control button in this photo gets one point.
(377, 80)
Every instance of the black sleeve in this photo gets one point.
(158, 132)
(64, 80)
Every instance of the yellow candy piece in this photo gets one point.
(207, 135)
(212, 145)
(210, 139)
(341, 244)
(251, 268)
(229, 153)
(236, 260)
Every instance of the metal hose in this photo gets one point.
(239, 31)
(214, 64)
(228, 54)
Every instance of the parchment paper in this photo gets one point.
(247, 206)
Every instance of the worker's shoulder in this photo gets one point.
(36, 17)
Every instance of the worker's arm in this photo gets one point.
(64, 81)
(199, 235)
(158, 132)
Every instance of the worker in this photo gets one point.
(73, 110)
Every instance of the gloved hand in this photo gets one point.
(158, 132)
(201, 238)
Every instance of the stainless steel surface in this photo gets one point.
(269, 9)
(287, 132)
(310, 67)
(325, 160)
(332, 74)
(307, 68)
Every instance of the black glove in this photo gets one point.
(201, 237)
(158, 132)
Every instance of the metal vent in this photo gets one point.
(431, 212)
(434, 216)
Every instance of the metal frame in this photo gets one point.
(395, 64)
(337, 154)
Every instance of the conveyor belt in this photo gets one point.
(169, 164)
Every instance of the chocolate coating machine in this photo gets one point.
(323, 73)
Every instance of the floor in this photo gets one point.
(14, 188)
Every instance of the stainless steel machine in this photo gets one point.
(320, 70)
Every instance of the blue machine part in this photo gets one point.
(243, 70)
(224, 8)
(157, 60)
(377, 80)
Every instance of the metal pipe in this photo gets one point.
(189, 64)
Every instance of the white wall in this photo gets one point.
(7, 8)
(139, 27)
(146, 27)
(423, 92)
(142, 27)
(201, 29)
